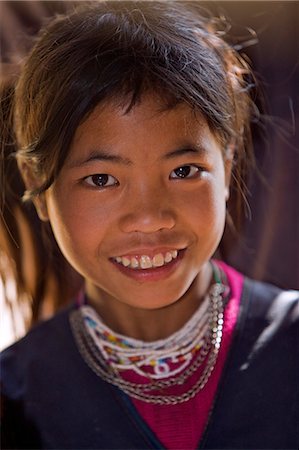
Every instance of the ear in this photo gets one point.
(228, 167)
(32, 182)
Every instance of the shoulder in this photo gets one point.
(49, 340)
(268, 304)
(262, 304)
(267, 328)
(259, 386)
(43, 335)
(267, 331)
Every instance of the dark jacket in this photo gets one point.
(53, 400)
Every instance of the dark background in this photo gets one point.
(269, 249)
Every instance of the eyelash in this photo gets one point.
(102, 177)
(103, 180)
(181, 175)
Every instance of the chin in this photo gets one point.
(155, 300)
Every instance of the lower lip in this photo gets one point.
(154, 274)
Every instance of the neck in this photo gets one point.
(151, 325)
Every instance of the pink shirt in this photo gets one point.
(181, 426)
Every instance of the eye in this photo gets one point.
(187, 171)
(101, 180)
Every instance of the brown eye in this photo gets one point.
(101, 180)
(187, 171)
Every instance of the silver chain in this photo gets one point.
(208, 354)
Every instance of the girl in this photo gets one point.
(131, 120)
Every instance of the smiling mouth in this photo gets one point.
(144, 262)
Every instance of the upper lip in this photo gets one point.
(151, 252)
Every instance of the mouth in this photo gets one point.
(149, 267)
(145, 262)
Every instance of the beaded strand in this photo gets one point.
(85, 322)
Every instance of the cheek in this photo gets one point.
(79, 228)
(206, 208)
(208, 221)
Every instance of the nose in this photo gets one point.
(148, 212)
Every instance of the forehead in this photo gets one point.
(147, 129)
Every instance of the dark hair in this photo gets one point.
(120, 50)
(25, 283)
(19, 221)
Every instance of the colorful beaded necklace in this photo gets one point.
(158, 359)
(162, 363)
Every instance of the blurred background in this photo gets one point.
(269, 248)
(265, 32)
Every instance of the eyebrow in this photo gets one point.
(197, 150)
(102, 155)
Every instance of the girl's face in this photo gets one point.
(139, 206)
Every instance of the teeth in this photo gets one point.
(134, 263)
(158, 260)
(168, 257)
(146, 262)
(174, 254)
(125, 261)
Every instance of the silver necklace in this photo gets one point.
(154, 390)
(159, 359)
